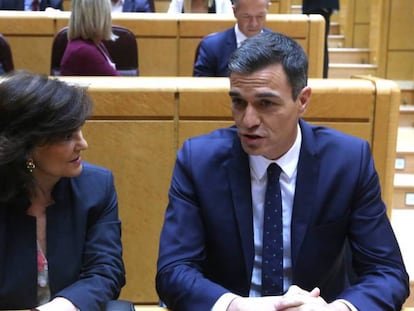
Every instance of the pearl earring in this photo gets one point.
(30, 166)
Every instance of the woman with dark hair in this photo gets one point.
(60, 245)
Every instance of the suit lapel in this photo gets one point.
(306, 181)
(231, 40)
(239, 178)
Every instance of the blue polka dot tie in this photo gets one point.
(272, 254)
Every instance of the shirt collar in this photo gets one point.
(240, 37)
(288, 162)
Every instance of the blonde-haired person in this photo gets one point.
(200, 6)
(86, 55)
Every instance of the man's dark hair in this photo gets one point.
(268, 48)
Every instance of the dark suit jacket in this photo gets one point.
(138, 6)
(311, 5)
(213, 54)
(83, 58)
(83, 245)
(19, 4)
(207, 247)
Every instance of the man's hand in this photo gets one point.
(297, 299)
(293, 298)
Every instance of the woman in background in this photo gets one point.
(86, 55)
(60, 235)
(201, 6)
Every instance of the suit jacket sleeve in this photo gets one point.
(377, 261)
(204, 64)
(181, 281)
(102, 273)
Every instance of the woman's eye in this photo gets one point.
(68, 136)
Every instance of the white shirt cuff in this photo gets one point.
(59, 303)
(223, 302)
(348, 304)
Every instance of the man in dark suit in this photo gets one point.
(145, 6)
(324, 8)
(214, 50)
(138, 6)
(211, 245)
(27, 5)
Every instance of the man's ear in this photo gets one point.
(304, 99)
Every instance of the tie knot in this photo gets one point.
(273, 171)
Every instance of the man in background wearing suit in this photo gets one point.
(215, 49)
(217, 232)
(144, 6)
(30, 5)
(324, 8)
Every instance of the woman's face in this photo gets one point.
(59, 159)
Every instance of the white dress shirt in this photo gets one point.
(258, 168)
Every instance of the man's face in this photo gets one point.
(251, 16)
(264, 111)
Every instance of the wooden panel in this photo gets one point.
(30, 36)
(401, 24)
(400, 65)
(31, 52)
(361, 36)
(148, 25)
(140, 154)
(198, 25)
(195, 94)
(26, 23)
(192, 128)
(315, 48)
(362, 11)
(158, 56)
(293, 25)
(129, 97)
(344, 100)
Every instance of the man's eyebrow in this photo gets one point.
(234, 93)
(267, 94)
(258, 95)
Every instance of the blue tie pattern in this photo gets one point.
(272, 254)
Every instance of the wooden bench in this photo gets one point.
(166, 43)
(139, 124)
(30, 35)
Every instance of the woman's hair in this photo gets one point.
(34, 110)
(269, 48)
(90, 20)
